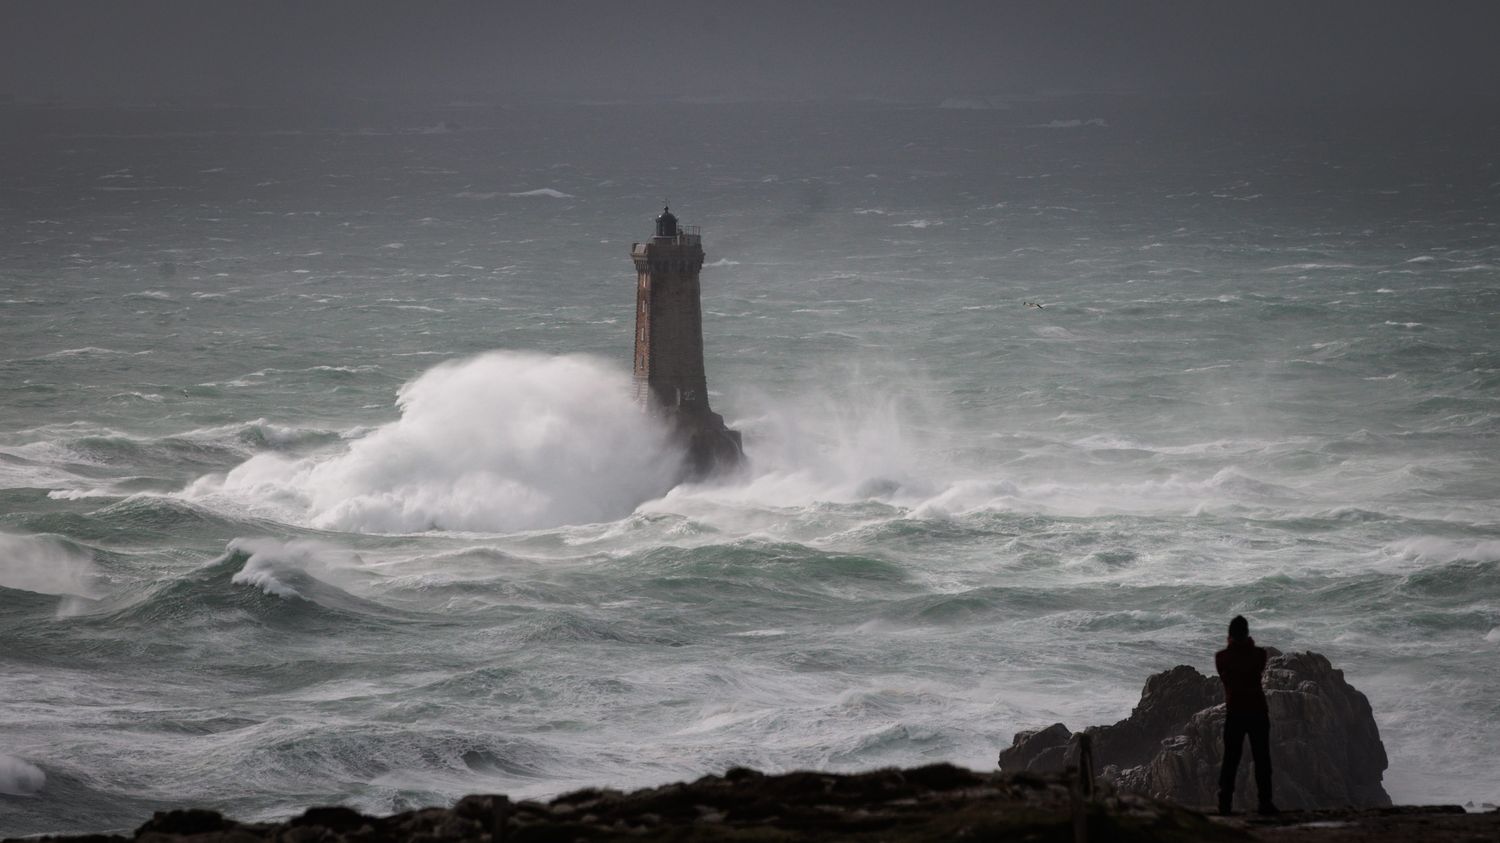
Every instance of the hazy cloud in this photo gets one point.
(649, 49)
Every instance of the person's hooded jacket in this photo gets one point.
(1240, 666)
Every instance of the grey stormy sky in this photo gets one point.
(230, 50)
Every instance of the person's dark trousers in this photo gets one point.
(1238, 725)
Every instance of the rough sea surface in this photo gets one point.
(320, 481)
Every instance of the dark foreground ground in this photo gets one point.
(937, 803)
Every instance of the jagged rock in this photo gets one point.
(186, 821)
(1038, 751)
(926, 804)
(933, 803)
(1325, 746)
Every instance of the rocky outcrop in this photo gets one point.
(1325, 746)
(936, 804)
(929, 804)
(711, 450)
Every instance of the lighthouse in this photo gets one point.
(669, 375)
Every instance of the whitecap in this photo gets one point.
(1441, 550)
(547, 192)
(85, 351)
(260, 571)
(1310, 267)
(974, 104)
(1069, 124)
(81, 494)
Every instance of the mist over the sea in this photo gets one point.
(320, 479)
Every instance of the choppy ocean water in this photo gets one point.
(319, 481)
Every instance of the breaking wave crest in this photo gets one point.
(504, 441)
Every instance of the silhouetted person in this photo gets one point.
(1240, 665)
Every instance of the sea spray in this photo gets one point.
(501, 442)
(275, 566)
(19, 778)
(46, 565)
(843, 433)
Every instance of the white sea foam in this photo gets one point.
(974, 103)
(1312, 266)
(46, 566)
(1436, 549)
(272, 565)
(261, 573)
(547, 192)
(86, 351)
(501, 442)
(82, 494)
(19, 778)
(1069, 124)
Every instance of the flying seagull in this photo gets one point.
(1033, 304)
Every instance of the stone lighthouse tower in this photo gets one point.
(669, 375)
